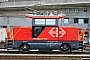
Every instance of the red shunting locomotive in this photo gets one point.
(46, 34)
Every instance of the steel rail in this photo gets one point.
(48, 55)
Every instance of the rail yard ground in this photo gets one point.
(44, 56)
(35, 55)
(15, 55)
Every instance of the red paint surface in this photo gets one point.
(25, 33)
(71, 33)
(43, 16)
(22, 33)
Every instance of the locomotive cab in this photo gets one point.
(40, 24)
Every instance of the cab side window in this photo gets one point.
(36, 31)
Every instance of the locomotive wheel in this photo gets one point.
(24, 48)
(65, 48)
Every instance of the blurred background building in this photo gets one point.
(77, 11)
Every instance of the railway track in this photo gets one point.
(39, 55)
(44, 56)
(85, 51)
(43, 52)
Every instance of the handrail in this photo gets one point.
(81, 34)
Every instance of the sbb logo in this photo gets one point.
(57, 32)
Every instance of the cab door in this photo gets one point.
(49, 37)
(38, 42)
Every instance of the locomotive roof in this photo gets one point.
(44, 16)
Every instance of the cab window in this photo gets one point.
(37, 30)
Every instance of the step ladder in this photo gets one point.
(81, 45)
(9, 45)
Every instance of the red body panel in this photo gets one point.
(22, 33)
(70, 33)
(49, 33)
